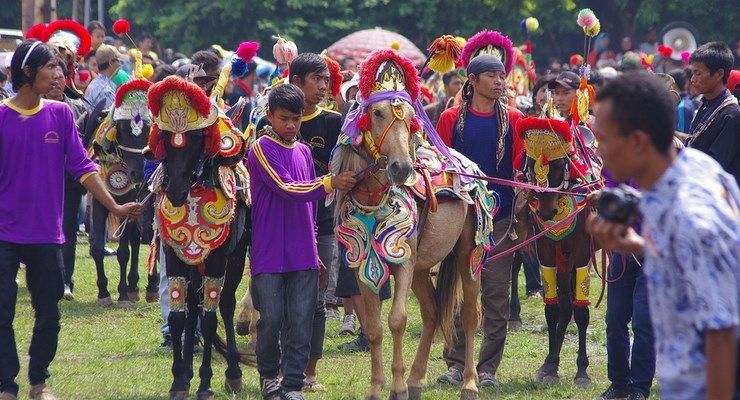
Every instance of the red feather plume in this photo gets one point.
(247, 50)
(121, 27)
(134, 84)
(364, 123)
(212, 145)
(36, 31)
(198, 98)
(335, 74)
(665, 51)
(544, 124)
(378, 57)
(73, 27)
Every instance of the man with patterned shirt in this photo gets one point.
(691, 237)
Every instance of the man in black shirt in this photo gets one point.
(320, 130)
(716, 126)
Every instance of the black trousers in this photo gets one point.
(44, 277)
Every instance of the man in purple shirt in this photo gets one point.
(38, 143)
(284, 258)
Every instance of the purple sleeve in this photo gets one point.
(271, 170)
(76, 163)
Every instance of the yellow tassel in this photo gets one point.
(223, 79)
(137, 67)
(147, 71)
(445, 51)
(395, 45)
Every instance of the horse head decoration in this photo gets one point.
(198, 147)
(392, 222)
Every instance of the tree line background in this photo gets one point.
(187, 26)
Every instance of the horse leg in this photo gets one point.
(191, 323)
(123, 255)
(470, 316)
(212, 287)
(397, 319)
(374, 332)
(227, 306)
(244, 318)
(424, 290)
(548, 372)
(581, 316)
(97, 250)
(178, 288)
(515, 306)
(134, 240)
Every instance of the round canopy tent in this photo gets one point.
(360, 44)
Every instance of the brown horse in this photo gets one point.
(443, 236)
(564, 253)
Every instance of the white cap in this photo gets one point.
(346, 86)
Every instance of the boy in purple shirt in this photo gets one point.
(38, 143)
(284, 259)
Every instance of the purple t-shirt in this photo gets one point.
(284, 192)
(36, 148)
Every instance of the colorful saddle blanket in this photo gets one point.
(375, 237)
(203, 223)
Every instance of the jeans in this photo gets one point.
(45, 281)
(285, 301)
(627, 299)
(70, 225)
(329, 255)
(164, 292)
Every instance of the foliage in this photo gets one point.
(187, 26)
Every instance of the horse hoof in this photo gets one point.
(105, 301)
(133, 296)
(547, 377)
(399, 396)
(233, 385)
(582, 382)
(469, 394)
(206, 395)
(414, 392)
(242, 328)
(124, 304)
(515, 326)
(179, 395)
(152, 297)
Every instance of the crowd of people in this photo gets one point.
(668, 128)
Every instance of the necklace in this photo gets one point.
(279, 138)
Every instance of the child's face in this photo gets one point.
(285, 123)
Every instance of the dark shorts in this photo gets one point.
(347, 282)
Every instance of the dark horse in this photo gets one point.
(565, 251)
(117, 146)
(200, 222)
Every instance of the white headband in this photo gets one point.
(33, 46)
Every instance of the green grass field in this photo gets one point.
(114, 353)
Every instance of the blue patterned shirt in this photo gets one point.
(692, 232)
(101, 88)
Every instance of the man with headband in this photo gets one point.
(482, 130)
(38, 141)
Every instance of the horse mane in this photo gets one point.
(344, 158)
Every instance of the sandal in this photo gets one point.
(311, 384)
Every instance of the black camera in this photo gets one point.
(620, 204)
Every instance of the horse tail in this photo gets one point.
(447, 296)
(245, 358)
